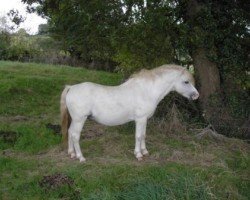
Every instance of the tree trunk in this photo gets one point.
(207, 76)
(206, 71)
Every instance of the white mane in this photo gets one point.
(159, 71)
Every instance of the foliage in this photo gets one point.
(20, 46)
(222, 28)
(138, 34)
(122, 31)
(16, 47)
(146, 40)
(15, 18)
(43, 29)
(4, 25)
(85, 27)
(4, 44)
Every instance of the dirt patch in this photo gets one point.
(92, 130)
(56, 180)
(15, 90)
(54, 127)
(91, 134)
(17, 118)
(9, 137)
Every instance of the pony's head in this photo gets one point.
(184, 85)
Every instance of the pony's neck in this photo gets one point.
(164, 84)
(157, 87)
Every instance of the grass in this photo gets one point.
(179, 166)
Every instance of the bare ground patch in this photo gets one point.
(92, 130)
(17, 118)
(55, 180)
(9, 137)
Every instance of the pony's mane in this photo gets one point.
(156, 72)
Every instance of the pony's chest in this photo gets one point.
(145, 109)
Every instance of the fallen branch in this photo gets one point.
(210, 132)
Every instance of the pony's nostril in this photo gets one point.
(195, 96)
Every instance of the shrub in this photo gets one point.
(4, 45)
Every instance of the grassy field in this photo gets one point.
(33, 164)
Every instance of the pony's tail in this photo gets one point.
(65, 116)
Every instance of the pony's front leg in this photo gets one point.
(75, 132)
(140, 130)
(144, 150)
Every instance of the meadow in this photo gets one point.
(34, 165)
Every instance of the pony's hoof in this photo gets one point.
(145, 152)
(139, 156)
(82, 160)
(140, 159)
(72, 155)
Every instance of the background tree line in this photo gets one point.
(126, 35)
(20, 46)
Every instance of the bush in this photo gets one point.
(25, 48)
(16, 47)
(4, 45)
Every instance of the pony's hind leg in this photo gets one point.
(71, 150)
(75, 132)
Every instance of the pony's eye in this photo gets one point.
(186, 82)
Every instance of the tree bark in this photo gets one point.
(207, 76)
(206, 71)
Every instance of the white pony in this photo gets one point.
(134, 100)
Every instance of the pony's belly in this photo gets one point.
(111, 123)
(112, 119)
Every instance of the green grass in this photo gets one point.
(179, 166)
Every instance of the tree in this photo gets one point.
(215, 32)
(43, 29)
(15, 18)
(4, 26)
(22, 32)
(85, 28)
(145, 40)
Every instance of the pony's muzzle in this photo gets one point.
(194, 96)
